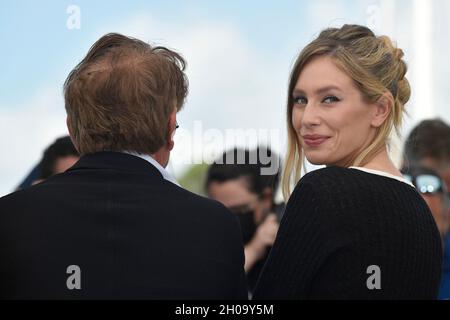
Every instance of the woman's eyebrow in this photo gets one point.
(318, 91)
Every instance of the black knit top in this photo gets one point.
(350, 234)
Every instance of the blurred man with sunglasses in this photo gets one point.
(428, 145)
(434, 192)
(427, 165)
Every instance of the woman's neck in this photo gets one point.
(382, 162)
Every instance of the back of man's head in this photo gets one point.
(120, 96)
(429, 143)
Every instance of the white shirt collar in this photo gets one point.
(385, 174)
(166, 175)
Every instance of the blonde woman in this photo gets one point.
(355, 229)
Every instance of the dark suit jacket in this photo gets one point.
(132, 234)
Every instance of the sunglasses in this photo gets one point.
(427, 183)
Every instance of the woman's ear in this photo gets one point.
(382, 109)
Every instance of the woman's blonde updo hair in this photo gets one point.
(375, 65)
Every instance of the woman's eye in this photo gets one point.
(330, 99)
(300, 100)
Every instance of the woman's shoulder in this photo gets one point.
(325, 185)
(328, 196)
(345, 176)
(330, 171)
(333, 181)
(328, 176)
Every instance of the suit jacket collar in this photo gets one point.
(116, 161)
(165, 174)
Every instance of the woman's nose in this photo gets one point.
(311, 116)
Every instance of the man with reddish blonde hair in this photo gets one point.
(117, 225)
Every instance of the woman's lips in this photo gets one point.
(314, 141)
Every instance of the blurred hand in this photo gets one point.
(267, 231)
(264, 237)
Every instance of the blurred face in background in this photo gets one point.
(250, 209)
(439, 205)
(332, 120)
(445, 174)
(442, 169)
(433, 190)
(61, 165)
(440, 213)
(64, 163)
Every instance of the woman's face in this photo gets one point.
(332, 121)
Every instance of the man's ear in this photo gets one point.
(69, 128)
(171, 127)
(382, 109)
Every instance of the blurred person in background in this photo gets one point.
(426, 160)
(117, 225)
(434, 191)
(57, 158)
(428, 144)
(238, 182)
